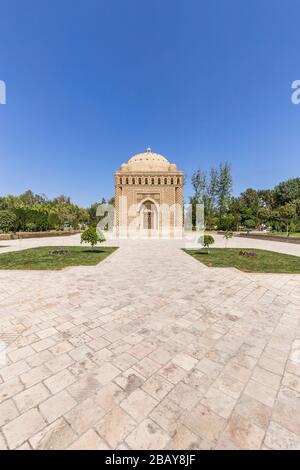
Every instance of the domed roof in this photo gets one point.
(148, 161)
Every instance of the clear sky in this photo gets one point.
(92, 82)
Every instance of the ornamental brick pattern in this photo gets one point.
(149, 197)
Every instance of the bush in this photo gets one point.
(30, 227)
(8, 221)
(249, 224)
(226, 222)
(92, 236)
(207, 241)
(247, 253)
(228, 235)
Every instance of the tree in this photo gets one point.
(249, 224)
(263, 215)
(54, 221)
(214, 191)
(287, 214)
(235, 211)
(93, 219)
(199, 182)
(250, 199)
(224, 188)
(8, 221)
(228, 235)
(29, 198)
(266, 199)
(207, 241)
(287, 191)
(92, 236)
(227, 222)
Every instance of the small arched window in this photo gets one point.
(166, 181)
(146, 181)
(133, 180)
(158, 181)
(172, 181)
(152, 181)
(126, 180)
(140, 180)
(120, 180)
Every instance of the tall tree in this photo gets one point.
(224, 188)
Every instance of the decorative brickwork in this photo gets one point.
(149, 197)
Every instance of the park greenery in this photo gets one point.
(207, 241)
(31, 212)
(92, 236)
(54, 258)
(278, 208)
(262, 261)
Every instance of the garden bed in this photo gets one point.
(262, 262)
(54, 257)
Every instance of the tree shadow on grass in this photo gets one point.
(95, 250)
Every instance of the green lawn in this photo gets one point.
(274, 234)
(39, 258)
(263, 262)
(283, 234)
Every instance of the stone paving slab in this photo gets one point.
(149, 350)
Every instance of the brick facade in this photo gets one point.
(149, 197)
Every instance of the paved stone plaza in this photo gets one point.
(149, 350)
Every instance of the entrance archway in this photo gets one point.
(148, 217)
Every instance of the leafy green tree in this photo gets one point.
(263, 215)
(287, 191)
(211, 222)
(92, 236)
(250, 199)
(206, 241)
(287, 214)
(235, 211)
(227, 222)
(29, 198)
(266, 199)
(54, 221)
(93, 219)
(249, 224)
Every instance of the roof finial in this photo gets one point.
(149, 149)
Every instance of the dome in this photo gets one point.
(148, 161)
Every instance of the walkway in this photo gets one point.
(149, 349)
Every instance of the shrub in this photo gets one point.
(227, 236)
(30, 227)
(249, 224)
(92, 236)
(58, 252)
(207, 241)
(8, 221)
(247, 253)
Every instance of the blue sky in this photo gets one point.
(92, 82)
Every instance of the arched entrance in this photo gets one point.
(148, 218)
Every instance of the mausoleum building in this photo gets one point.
(149, 197)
